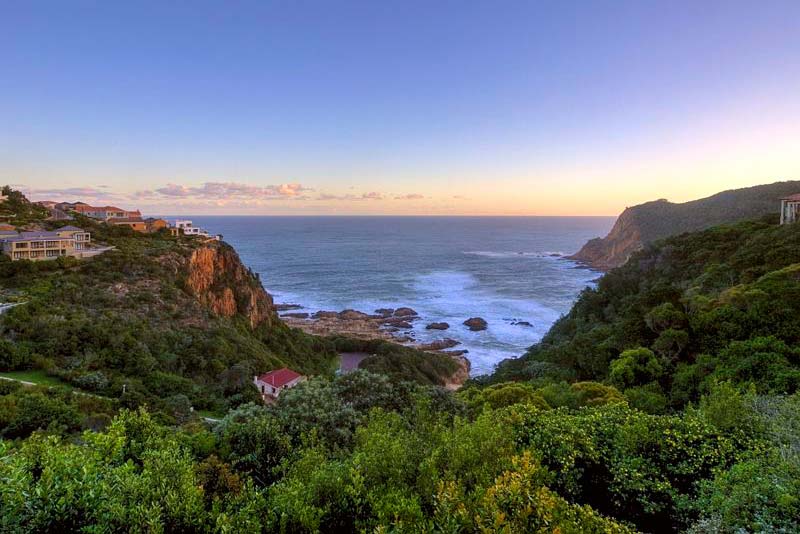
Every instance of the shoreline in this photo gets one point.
(394, 325)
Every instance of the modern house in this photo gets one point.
(790, 207)
(186, 227)
(36, 246)
(271, 384)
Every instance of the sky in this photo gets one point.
(397, 107)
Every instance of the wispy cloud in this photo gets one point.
(69, 193)
(231, 190)
(410, 196)
(372, 195)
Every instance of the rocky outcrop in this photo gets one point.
(457, 379)
(218, 279)
(624, 239)
(651, 221)
(439, 344)
(476, 324)
(397, 322)
(437, 326)
(352, 315)
(405, 312)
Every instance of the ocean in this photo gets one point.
(503, 269)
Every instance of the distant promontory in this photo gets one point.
(655, 220)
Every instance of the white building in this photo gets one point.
(186, 227)
(790, 207)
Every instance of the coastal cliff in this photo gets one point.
(219, 280)
(651, 221)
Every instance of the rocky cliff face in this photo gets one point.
(219, 280)
(611, 251)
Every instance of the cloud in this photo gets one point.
(372, 195)
(460, 197)
(69, 192)
(410, 196)
(232, 190)
(328, 196)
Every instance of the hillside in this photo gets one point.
(165, 320)
(655, 220)
(682, 314)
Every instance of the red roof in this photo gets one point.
(794, 197)
(279, 377)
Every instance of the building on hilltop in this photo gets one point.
(155, 224)
(186, 227)
(36, 246)
(790, 208)
(271, 384)
(103, 213)
(134, 223)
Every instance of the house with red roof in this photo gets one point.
(272, 383)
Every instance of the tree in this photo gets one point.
(635, 367)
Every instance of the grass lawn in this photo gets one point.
(36, 376)
(209, 413)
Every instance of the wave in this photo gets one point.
(511, 254)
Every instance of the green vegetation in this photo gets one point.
(682, 315)
(399, 362)
(646, 223)
(125, 319)
(667, 400)
(130, 320)
(660, 219)
(35, 376)
(361, 453)
(18, 210)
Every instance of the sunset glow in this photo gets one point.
(403, 109)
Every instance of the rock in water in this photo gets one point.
(296, 315)
(352, 314)
(398, 322)
(284, 307)
(476, 324)
(385, 312)
(405, 312)
(326, 315)
(437, 326)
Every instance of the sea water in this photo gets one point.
(503, 269)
